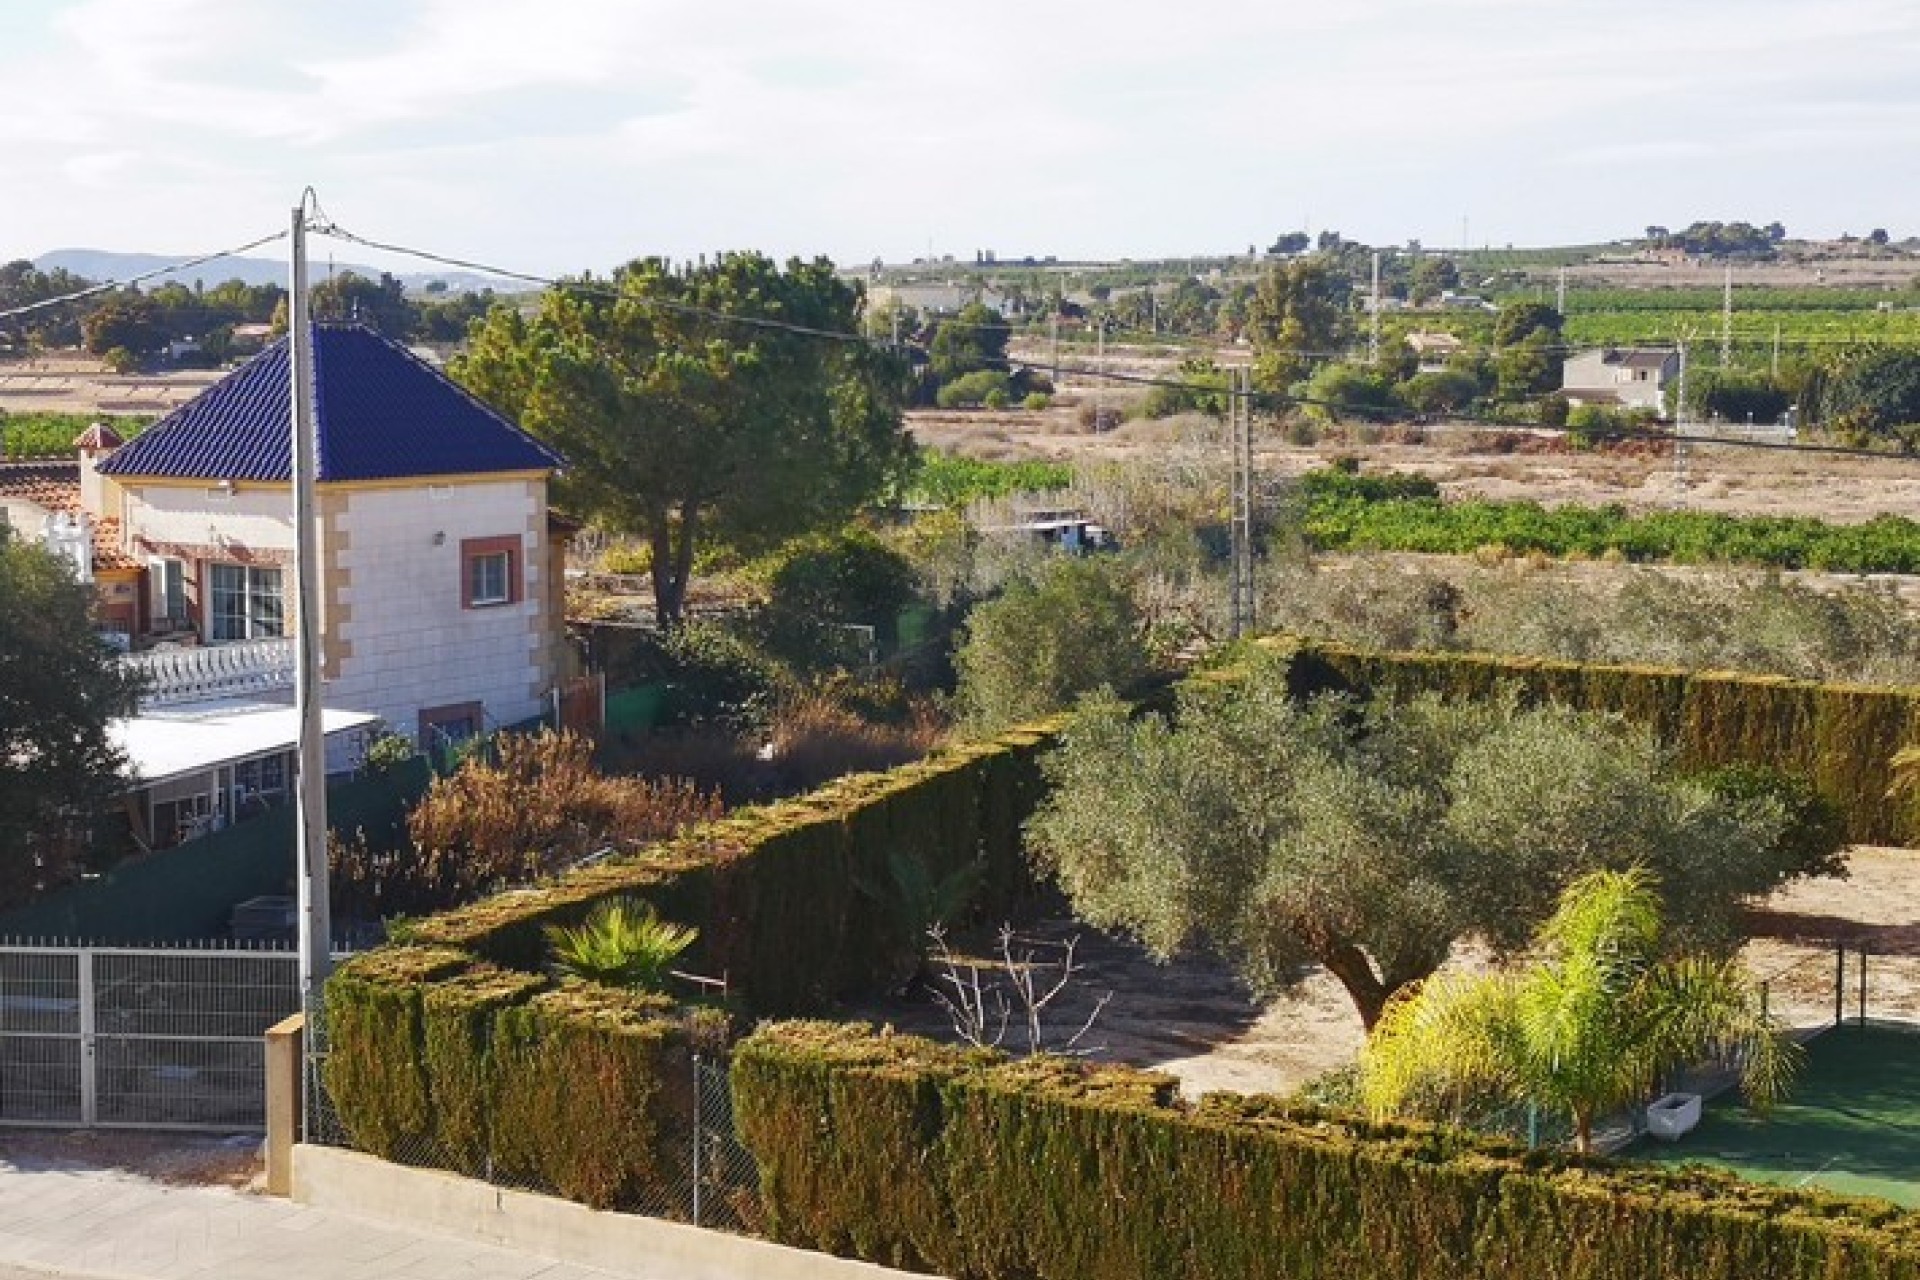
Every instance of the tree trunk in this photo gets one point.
(1583, 1131)
(672, 543)
(1350, 964)
(669, 596)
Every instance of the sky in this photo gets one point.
(554, 136)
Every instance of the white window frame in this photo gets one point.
(262, 613)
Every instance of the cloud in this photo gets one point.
(586, 130)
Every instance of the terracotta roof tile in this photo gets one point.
(55, 486)
(98, 436)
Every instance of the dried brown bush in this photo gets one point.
(817, 736)
(524, 808)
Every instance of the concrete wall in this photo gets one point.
(328, 1178)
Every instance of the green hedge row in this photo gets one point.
(776, 892)
(585, 1090)
(907, 1153)
(1841, 738)
(458, 1051)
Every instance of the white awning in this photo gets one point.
(172, 742)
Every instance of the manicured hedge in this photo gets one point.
(775, 891)
(1842, 738)
(896, 1150)
(580, 1089)
(457, 1050)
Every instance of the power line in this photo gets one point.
(334, 231)
(110, 285)
(1269, 400)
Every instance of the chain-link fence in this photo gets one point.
(1885, 982)
(1800, 988)
(701, 1173)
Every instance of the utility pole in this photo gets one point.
(1680, 469)
(316, 932)
(1099, 381)
(1053, 328)
(1373, 305)
(1776, 348)
(1240, 437)
(1726, 320)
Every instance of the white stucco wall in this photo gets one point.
(255, 516)
(408, 641)
(404, 641)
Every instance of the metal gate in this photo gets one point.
(139, 1037)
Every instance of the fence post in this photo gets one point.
(89, 1084)
(286, 1061)
(699, 1119)
(1863, 984)
(1839, 983)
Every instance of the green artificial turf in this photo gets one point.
(1851, 1123)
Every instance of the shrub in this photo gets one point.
(1036, 401)
(624, 943)
(972, 389)
(1813, 839)
(1044, 642)
(529, 807)
(822, 582)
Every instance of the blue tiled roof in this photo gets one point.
(380, 413)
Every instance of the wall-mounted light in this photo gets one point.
(439, 537)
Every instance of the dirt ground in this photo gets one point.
(184, 1159)
(1720, 477)
(1194, 1020)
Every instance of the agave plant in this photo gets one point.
(624, 943)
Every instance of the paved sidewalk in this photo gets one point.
(84, 1222)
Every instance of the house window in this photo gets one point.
(169, 595)
(444, 728)
(489, 572)
(267, 775)
(245, 603)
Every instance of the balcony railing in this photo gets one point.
(174, 676)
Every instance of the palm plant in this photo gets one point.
(915, 901)
(1589, 1024)
(624, 943)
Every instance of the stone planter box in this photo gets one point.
(1673, 1115)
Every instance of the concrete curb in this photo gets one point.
(432, 1199)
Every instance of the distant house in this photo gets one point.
(45, 502)
(1433, 350)
(935, 299)
(1621, 377)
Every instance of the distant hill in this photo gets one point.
(104, 264)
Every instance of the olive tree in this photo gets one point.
(1282, 834)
